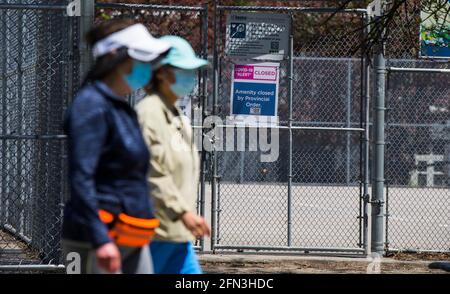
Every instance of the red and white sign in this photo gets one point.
(254, 72)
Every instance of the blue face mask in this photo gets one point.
(185, 81)
(140, 75)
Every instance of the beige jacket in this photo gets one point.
(174, 171)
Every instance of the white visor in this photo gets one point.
(140, 43)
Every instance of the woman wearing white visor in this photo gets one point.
(174, 172)
(109, 219)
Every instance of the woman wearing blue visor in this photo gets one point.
(109, 219)
(174, 172)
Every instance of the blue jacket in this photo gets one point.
(108, 163)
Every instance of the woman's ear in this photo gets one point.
(126, 67)
(165, 74)
(160, 75)
(171, 75)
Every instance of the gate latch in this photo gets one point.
(376, 202)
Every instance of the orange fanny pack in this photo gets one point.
(127, 230)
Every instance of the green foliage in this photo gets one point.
(435, 26)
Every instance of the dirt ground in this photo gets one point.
(419, 256)
(256, 264)
(12, 251)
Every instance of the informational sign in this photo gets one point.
(258, 36)
(435, 30)
(254, 92)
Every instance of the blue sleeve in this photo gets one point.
(87, 131)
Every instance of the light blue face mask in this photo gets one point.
(140, 75)
(184, 83)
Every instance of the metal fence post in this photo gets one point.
(365, 197)
(214, 112)
(348, 122)
(3, 68)
(19, 221)
(204, 105)
(290, 85)
(86, 22)
(378, 201)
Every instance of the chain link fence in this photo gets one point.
(312, 198)
(418, 147)
(418, 129)
(35, 85)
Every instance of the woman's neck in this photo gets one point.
(168, 97)
(117, 85)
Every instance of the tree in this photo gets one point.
(404, 16)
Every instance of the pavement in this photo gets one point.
(256, 214)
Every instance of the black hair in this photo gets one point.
(106, 63)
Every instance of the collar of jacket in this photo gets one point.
(168, 113)
(102, 87)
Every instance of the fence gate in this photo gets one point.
(36, 80)
(311, 197)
